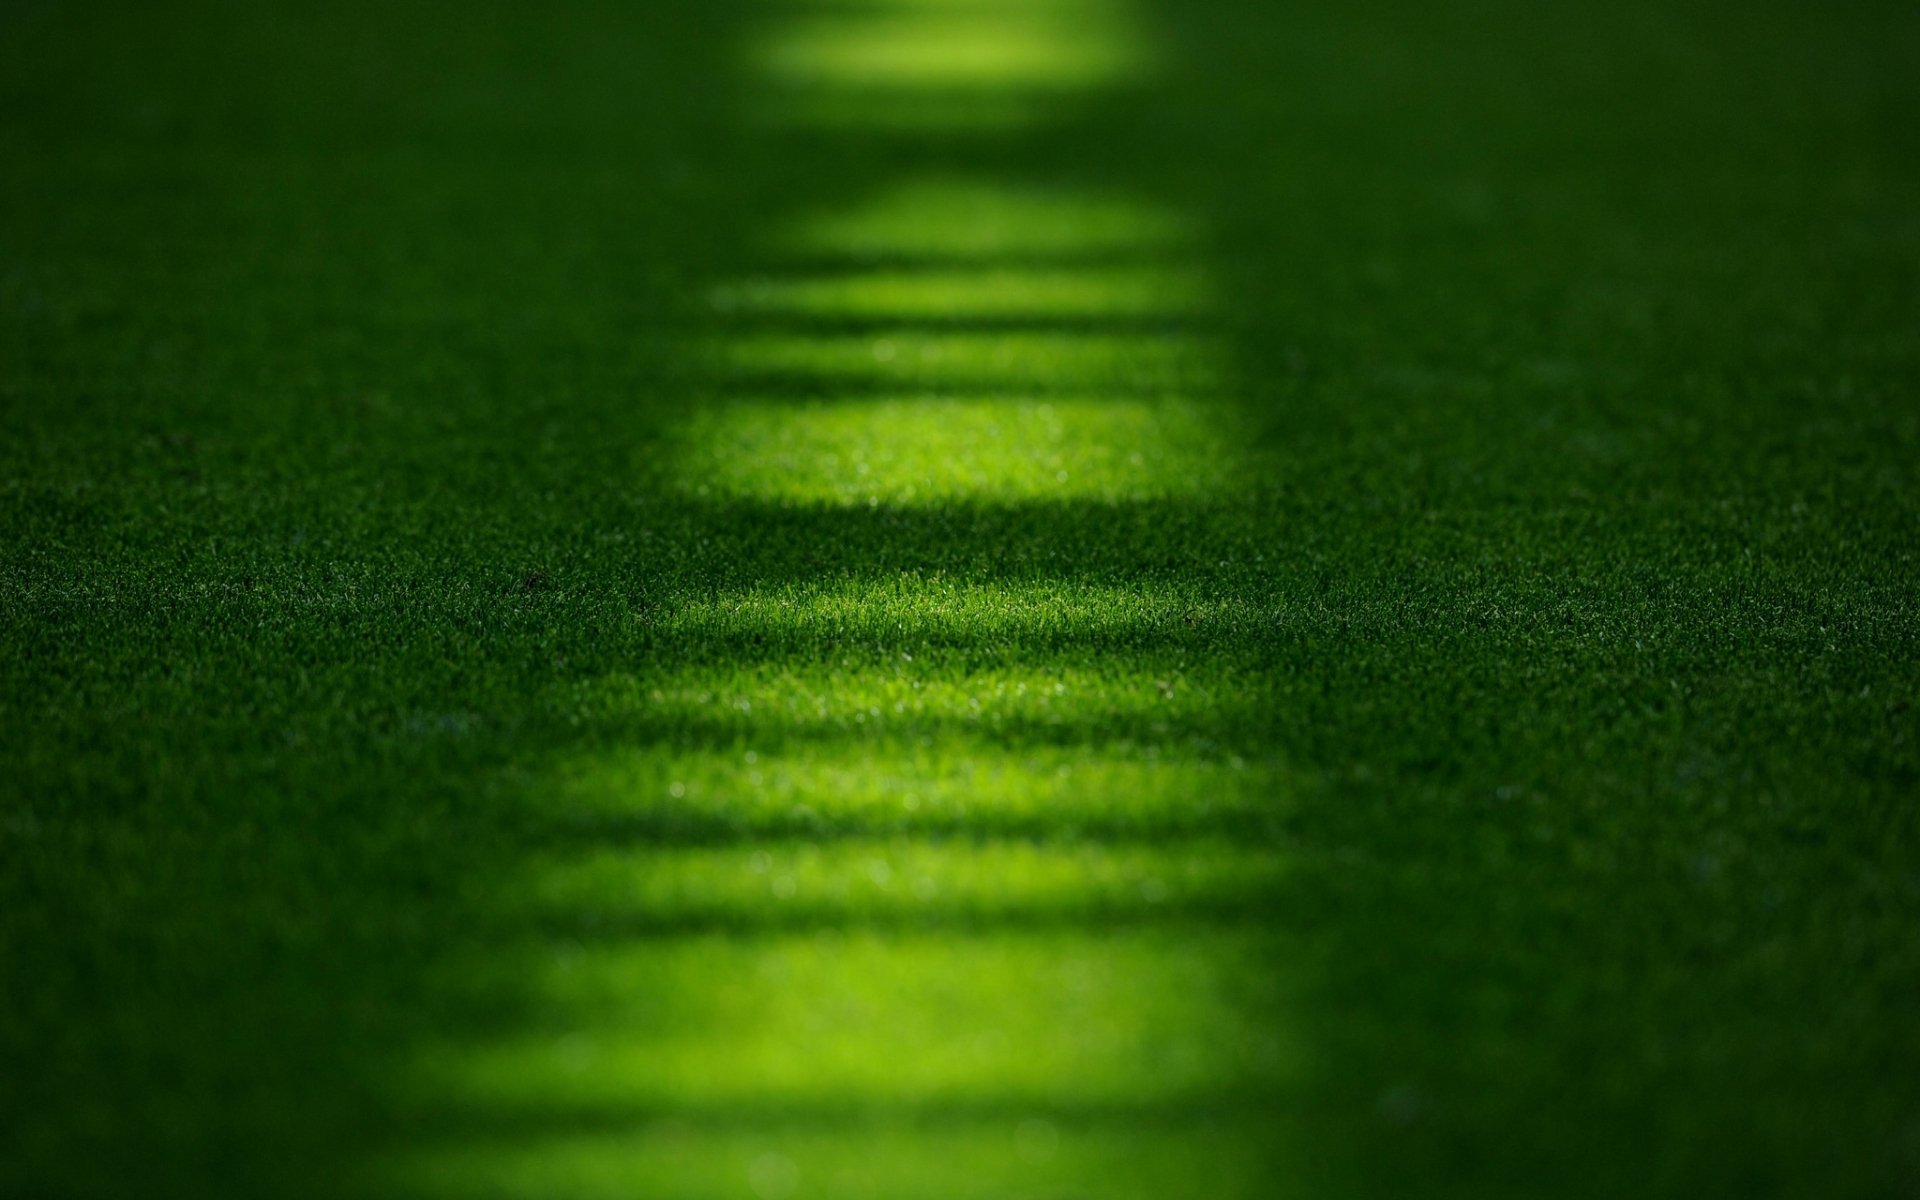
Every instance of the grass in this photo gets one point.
(954, 598)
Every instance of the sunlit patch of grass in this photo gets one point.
(1147, 1155)
(807, 882)
(984, 293)
(900, 450)
(955, 218)
(982, 65)
(955, 787)
(848, 1021)
(903, 49)
(772, 705)
(916, 611)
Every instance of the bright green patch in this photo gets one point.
(950, 218)
(929, 449)
(855, 1022)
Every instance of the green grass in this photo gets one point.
(959, 598)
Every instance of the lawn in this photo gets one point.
(959, 598)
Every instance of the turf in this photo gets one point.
(959, 598)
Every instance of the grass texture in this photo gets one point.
(959, 598)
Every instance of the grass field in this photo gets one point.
(891, 599)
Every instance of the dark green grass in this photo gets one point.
(1520, 751)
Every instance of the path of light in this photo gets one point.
(889, 883)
